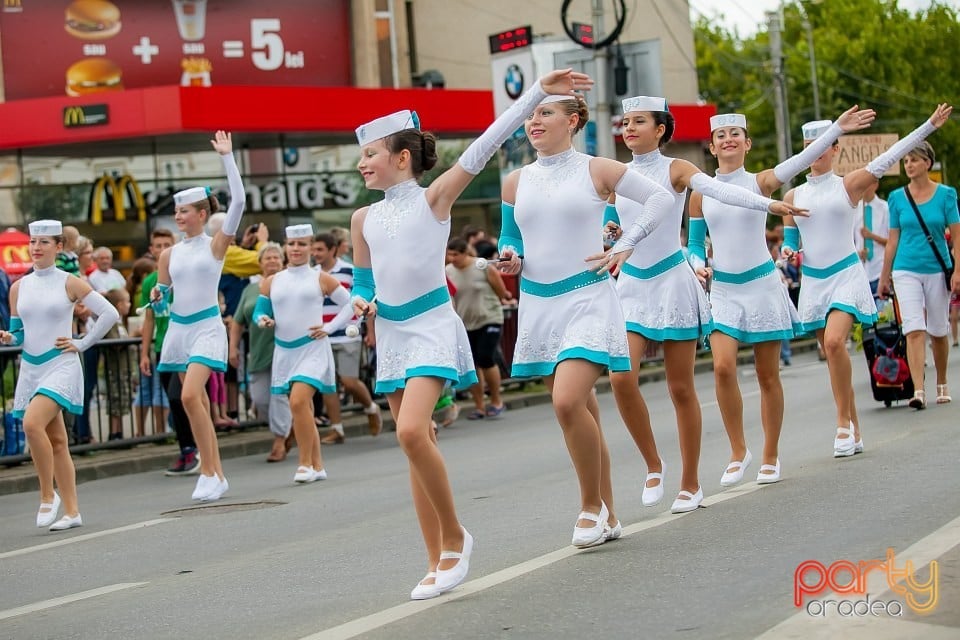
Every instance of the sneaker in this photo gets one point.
(177, 467)
(186, 464)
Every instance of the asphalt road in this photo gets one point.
(337, 559)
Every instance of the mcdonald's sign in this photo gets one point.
(12, 6)
(118, 193)
(85, 115)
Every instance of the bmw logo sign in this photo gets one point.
(513, 81)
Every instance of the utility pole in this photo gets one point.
(781, 112)
(605, 147)
(813, 63)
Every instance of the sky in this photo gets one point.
(747, 15)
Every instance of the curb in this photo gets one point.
(154, 457)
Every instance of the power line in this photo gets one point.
(673, 36)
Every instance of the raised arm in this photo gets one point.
(443, 191)
(223, 144)
(687, 174)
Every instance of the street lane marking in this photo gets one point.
(358, 626)
(55, 602)
(802, 626)
(82, 538)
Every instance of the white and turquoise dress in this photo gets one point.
(565, 311)
(659, 291)
(418, 332)
(748, 299)
(297, 302)
(47, 314)
(196, 333)
(832, 274)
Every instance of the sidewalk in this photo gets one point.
(156, 457)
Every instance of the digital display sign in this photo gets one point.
(512, 39)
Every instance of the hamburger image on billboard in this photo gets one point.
(92, 19)
(92, 75)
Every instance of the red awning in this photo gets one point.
(333, 112)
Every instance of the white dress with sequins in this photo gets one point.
(748, 298)
(566, 311)
(418, 332)
(832, 276)
(661, 296)
(196, 333)
(47, 314)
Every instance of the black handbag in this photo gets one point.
(947, 271)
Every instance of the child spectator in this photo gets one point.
(120, 366)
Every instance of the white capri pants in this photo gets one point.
(274, 406)
(924, 302)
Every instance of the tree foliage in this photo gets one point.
(868, 52)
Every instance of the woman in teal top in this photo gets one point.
(917, 276)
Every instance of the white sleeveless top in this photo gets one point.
(408, 245)
(828, 232)
(664, 240)
(297, 302)
(738, 234)
(194, 275)
(559, 214)
(45, 309)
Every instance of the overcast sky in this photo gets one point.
(747, 15)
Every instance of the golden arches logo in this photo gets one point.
(73, 116)
(117, 192)
(12, 254)
(12, 4)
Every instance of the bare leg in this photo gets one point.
(917, 357)
(476, 392)
(197, 405)
(63, 469)
(606, 477)
(941, 354)
(571, 387)
(834, 338)
(729, 399)
(633, 408)
(491, 378)
(678, 359)
(767, 361)
(40, 414)
(301, 409)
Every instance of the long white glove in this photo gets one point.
(341, 297)
(107, 316)
(792, 166)
(879, 165)
(656, 202)
(238, 197)
(476, 156)
(729, 193)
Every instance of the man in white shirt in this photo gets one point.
(870, 234)
(105, 277)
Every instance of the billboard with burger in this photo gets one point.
(81, 47)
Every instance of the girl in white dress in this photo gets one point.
(661, 297)
(292, 302)
(570, 325)
(196, 342)
(399, 246)
(749, 303)
(835, 290)
(51, 378)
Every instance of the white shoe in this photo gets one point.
(447, 579)
(206, 486)
(844, 446)
(584, 537)
(306, 475)
(687, 501)
(858, 448)
(221, 488)
(67, 522)
(653, 495)
(47, 518)
(425, 591)
(615, 532)
(730, 478)
(769, 478)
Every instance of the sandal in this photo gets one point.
(943, 396)
(476, 414)
(919, 400)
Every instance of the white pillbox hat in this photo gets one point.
(191, 195)
(644, 103)
(387, 125)
(728, 120)
(299, 231)
(814, 129)
(46, 228)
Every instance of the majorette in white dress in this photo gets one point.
(566, 311)
(660, 294)
(418, 332)
(833, 276)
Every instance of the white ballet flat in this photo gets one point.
(858, 448)
(67, 522)
(584, 537)
(730, 478)
(218, 491)
(653, 495)
(687, 501)
(205, 486)
(447, 579)
(306, 475)
(425, 591)
(846, 445)
(615, 532)
(47, 518)
(769, 478)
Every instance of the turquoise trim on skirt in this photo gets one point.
(464, 381)
(414, 308)
(824, 273)
(744, 277)
(65, 404)
(659, 268)
(203, 314)
(560, 287)
(602, 358)
(46, 356)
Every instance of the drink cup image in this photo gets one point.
(191, 18)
